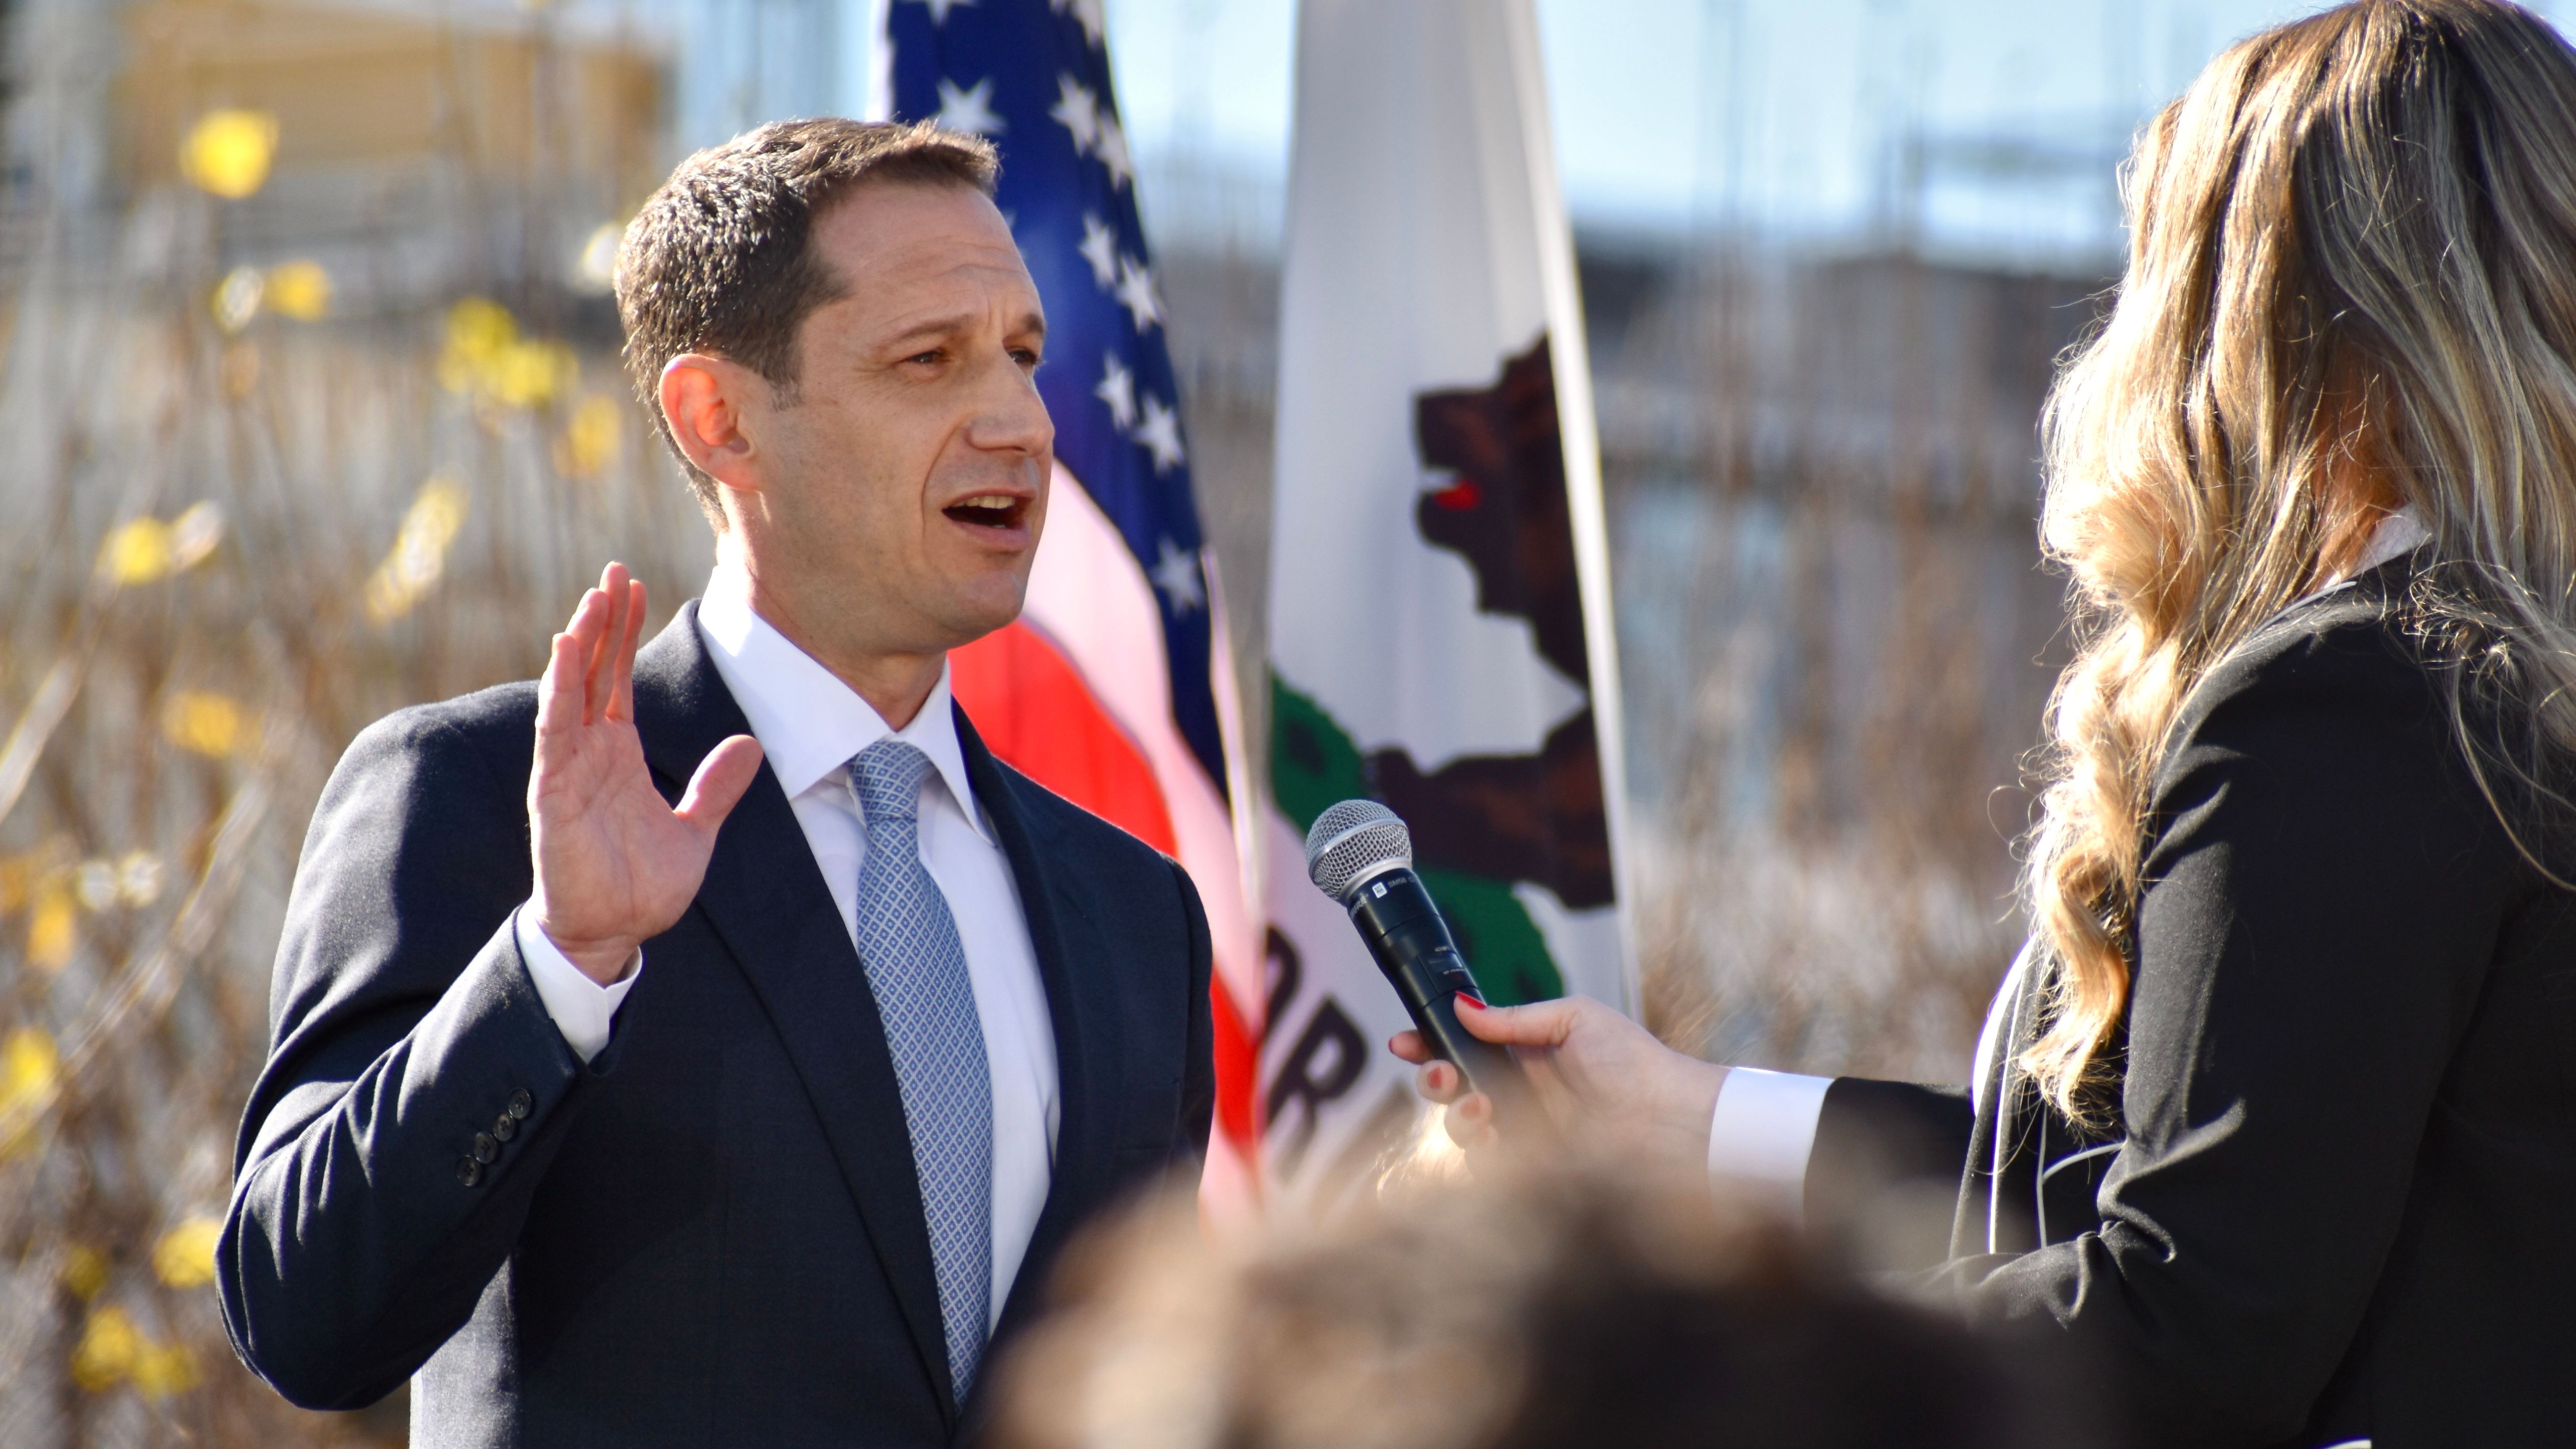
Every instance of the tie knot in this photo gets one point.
(887, 776)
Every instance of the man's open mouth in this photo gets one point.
(989, 510)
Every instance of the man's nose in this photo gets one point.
(1012, 418)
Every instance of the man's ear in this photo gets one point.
(703, 399)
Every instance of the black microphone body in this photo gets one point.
(1411, 942)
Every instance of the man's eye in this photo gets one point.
(1025, 358)
(928, 359)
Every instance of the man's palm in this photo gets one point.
(614, 864)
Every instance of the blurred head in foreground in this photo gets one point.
(1528, 1310)
(2351, 289)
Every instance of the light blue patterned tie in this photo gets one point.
(917, 970)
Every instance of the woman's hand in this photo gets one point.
(1596, 1072)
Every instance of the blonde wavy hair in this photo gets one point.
(2351, 286)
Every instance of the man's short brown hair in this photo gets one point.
(716, 261)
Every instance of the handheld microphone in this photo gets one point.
(1361, 855)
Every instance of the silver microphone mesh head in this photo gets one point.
(1353, 841)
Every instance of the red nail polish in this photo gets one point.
(1470, 1002)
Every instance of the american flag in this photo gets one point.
(1115, 688)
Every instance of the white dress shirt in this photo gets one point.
(809, 725)
(1764, 1129)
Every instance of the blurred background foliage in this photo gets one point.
(312, 410)
(311, 387)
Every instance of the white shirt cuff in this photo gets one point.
(583, 1009)
(1765, 1129)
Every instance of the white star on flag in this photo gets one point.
(970, 111)
(1100, 248)
(1078, 111)
(1095, 22)
(1136, 293)
(1087, 13)
(1177, 575)
(1160, 434)
(1118, 389)
(1112, 149)
(939, 9)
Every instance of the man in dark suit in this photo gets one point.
(755, 1119)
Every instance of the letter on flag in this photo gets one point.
(1439, 599)
(1115, 688)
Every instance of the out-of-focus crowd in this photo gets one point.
(1512, 1304)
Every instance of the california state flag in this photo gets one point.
(1439, 600)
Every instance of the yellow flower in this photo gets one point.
(228, 152)
(593, 439)
(299, 289)
(143, 549)
(530, 374)
(109, 1346)
(84, 1271)
(53, 930)
(185, 1256)
(205, 723)
(161, 1370)
(28, 1063)
(419, 554)
(30, 1070)
(478, 330)
(136, 553)
(486, 356)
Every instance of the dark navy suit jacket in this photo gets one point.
(712, 1232)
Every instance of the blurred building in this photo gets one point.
(422, 146)
(418, 150)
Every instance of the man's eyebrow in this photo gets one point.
(944, 326)
(951, 324)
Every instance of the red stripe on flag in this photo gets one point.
(1238, 1067)
(1038, 717)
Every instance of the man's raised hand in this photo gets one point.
(614, 864)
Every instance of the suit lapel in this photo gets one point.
(768, 904)
(1086, 1027)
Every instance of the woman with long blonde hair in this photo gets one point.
(2275, 1117)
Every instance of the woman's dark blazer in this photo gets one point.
(2336, 1205)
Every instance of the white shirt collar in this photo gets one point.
(808, 722)
(2400, 533)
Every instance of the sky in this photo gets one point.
(1785, 121)
(1673, 114)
